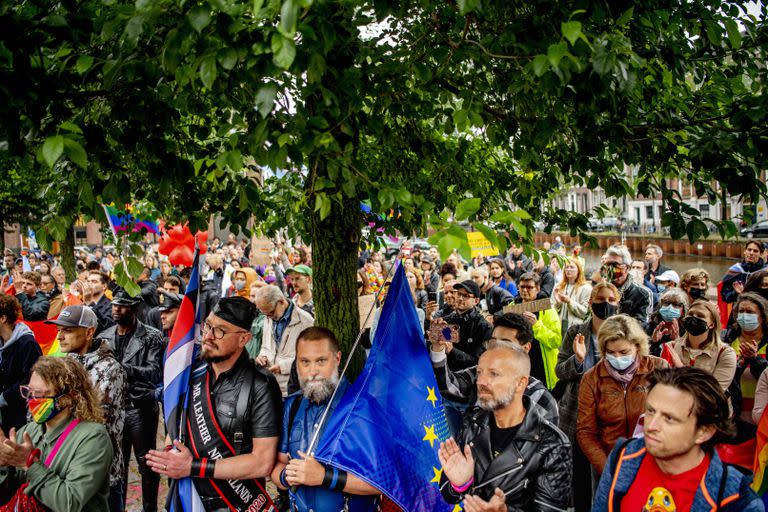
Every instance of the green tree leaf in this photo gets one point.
(208, 71)
(540, 64)
(283, 51)
(83, 64)
(734, 34)
(227, 58)
(467, 6)
(288, 14)
(53, 147)
(571, 30)
(468, 207)
(556, 52)
(625, 17)
(76, 153)
(199, 17)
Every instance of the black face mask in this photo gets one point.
(695, 326)
(697, 293)
(603, 310)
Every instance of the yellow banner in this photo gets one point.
(480, 245)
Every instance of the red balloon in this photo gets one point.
(178, 243)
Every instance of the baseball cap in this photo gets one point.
(75, 316)
(169, 300)
(300, 269)
(669, 275)
(470, 286)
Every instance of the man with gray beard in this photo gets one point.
(316, 487)
(508, 456)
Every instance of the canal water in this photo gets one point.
(716, 267)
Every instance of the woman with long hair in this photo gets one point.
(571, 296)
(750, 339)
(733, 280)
(63, 455)
(578, 353)
(497, 270)
(700, 345)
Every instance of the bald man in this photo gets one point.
(508, 454)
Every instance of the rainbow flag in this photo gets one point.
(128, 220)
(760, 482)
(46, 336)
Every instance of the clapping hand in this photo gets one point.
(458, 466)
(14, 454)
(579, 348)
(496, 504)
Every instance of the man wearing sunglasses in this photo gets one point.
(636, 299)
(234, 417)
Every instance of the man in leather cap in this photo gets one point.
(139, 348)
(234, 417)
(508, 456)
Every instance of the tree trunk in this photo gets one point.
(335, 242)
(68, 254)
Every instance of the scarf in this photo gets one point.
(623, 377)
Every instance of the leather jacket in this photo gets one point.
(534, 470)
(636, 301)
(263, 414)
(142, 359)
(474, 330)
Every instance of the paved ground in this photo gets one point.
(133, 502)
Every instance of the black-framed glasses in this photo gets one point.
(217, 332)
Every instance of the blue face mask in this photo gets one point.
(748, 321)
(621, 362)
(669, 312)
(661, 287)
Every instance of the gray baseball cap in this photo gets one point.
(75, 316)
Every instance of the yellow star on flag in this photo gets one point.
(431, 437)
(438, 474)
(431, 397)
(456, 508)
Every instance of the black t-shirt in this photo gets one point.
(121, 340)
(501, 437)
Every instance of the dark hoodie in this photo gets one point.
(17, 355)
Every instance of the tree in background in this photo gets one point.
(431, 112)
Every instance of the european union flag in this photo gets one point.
(389, 424)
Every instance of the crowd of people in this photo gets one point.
(564, 387)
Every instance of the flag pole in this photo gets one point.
(181, 435)
(117, 242)
(324, 416)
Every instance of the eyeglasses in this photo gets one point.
(671, 303)
(614, 264)
(26, 393)
(218, 332)
(526, 287)
(464, 296)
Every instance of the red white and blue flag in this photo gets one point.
(179, 359)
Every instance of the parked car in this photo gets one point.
(758, 230)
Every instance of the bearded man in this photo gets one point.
(317, 487)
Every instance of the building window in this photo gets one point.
(649, 213)
(704, 209)
(81, 236)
